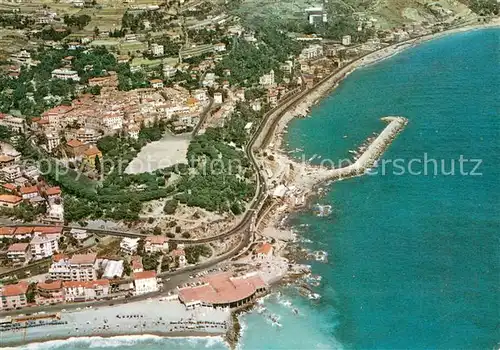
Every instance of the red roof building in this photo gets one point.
(223, 290)
(53, 191)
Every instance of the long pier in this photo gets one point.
(368, 159)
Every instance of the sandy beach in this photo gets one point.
(158, 316)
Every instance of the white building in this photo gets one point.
(11, 173)
(181, 255)
(267, 79)
(209, 80)
(169, 71)
(52, 141)
(55, 213)
(311, 52)
(346, 40)
(84, 291)
(220, 47)
(153, 244)
(113, 122)
(112, 268)
(218, 97)
(156, 83)
(19, 253)
(145, 282)
(65, 74)
(78, 233)
(14, 123)
(81, 267)
(157, 50)
(133, 132)
(43, 246)
(129, 245)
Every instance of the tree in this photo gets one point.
(171, 206)
(127, 270)
(98, 165)
(96, 31)
(157, 231)
(30, 294)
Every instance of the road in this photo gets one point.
(172, 279)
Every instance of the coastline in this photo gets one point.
(330, 83)
(313, 99)
(277, 218)
(101, 336)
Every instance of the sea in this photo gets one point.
(414, 246)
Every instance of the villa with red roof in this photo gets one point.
(145, 282)
(53, 192)
(223, 290)
(264, 251)
(13, 296)
(49, 293)
(23, 232)
(9, 200)
(29, 192)
(48, 230)
(154, 244)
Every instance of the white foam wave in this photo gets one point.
(121, 341)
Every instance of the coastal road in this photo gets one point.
(172, 279)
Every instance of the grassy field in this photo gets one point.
(152, 63)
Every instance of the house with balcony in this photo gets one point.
(19, 253)
(75, 291)
(13, 296)
(49, 293)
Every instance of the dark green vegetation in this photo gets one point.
(223, 179)
(194, 252)
(29, 93)
(248, 62)
(218, 176)
(484, 7)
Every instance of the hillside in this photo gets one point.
(388, 13)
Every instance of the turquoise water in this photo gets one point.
(413, 260)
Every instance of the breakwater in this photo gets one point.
(374, 151)
(308, 176)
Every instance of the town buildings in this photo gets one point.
(44, 246)
(153, 244)
(13, 296)
(80, 267)
(129, 245)
(145, 282)
(19, 253)
(75, 291)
